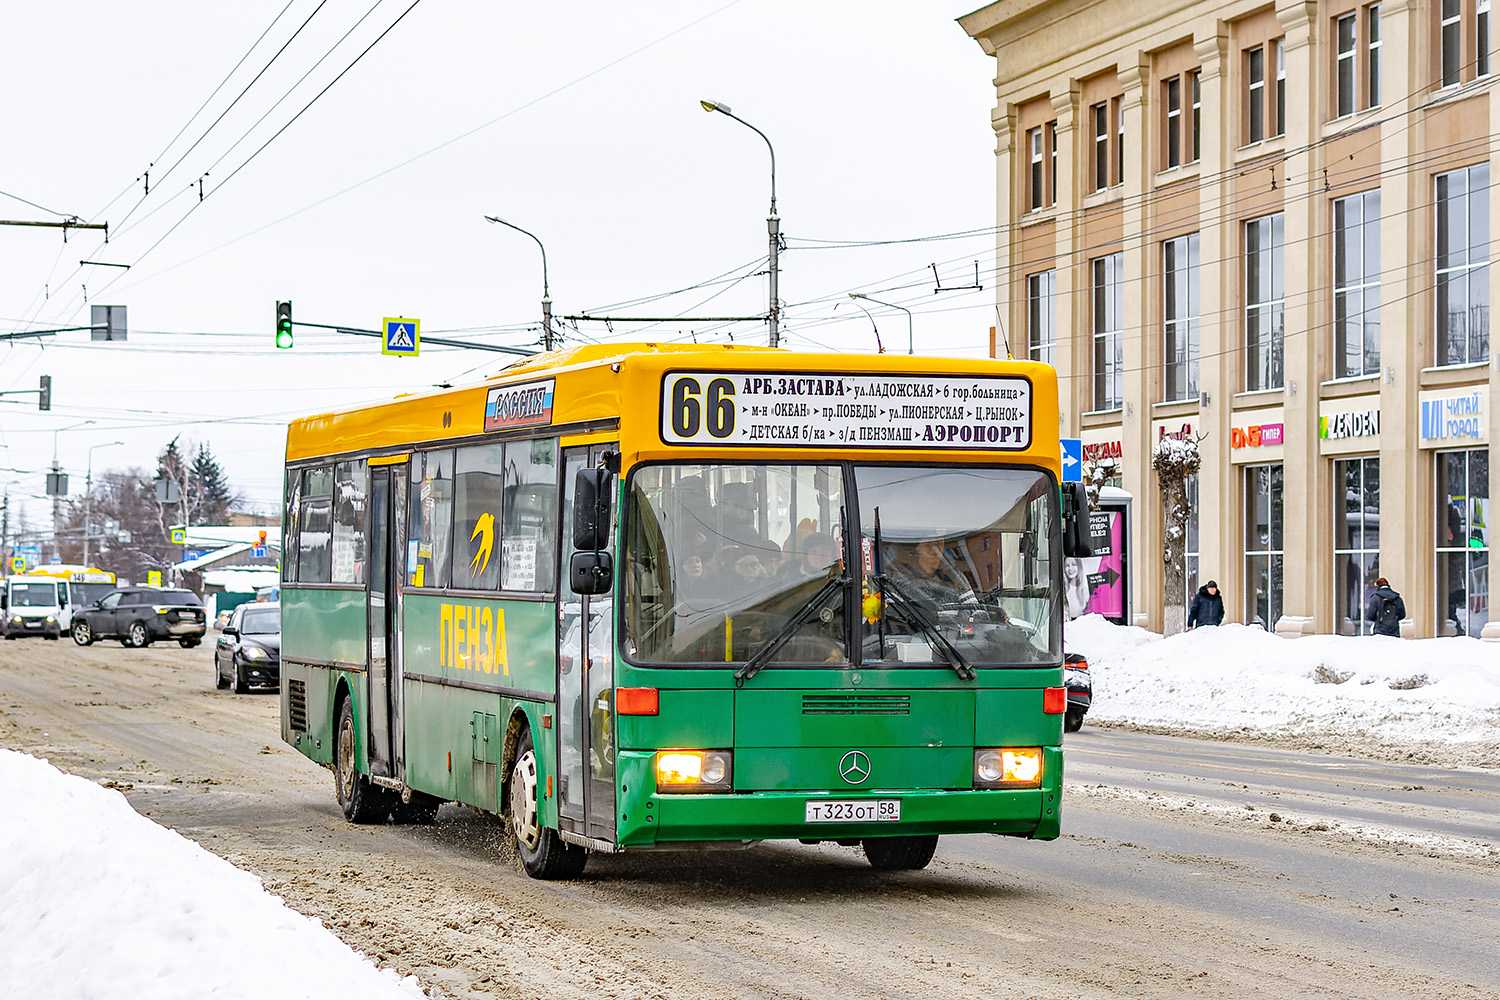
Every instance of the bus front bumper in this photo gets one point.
(655, 819)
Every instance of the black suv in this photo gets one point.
(138, 616)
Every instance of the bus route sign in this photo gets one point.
(801, 410)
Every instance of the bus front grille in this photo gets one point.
(296, 701)
(856, 704)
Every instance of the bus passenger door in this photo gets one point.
(382, 674)
(585, 682)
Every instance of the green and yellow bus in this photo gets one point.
(651, 596)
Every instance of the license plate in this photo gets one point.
(853, 811)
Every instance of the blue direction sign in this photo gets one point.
(1072, 460)
(402, 336)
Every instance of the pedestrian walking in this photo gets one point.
(1386, 609)
(1208, 606)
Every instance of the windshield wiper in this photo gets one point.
(912, 613)
(763, 655)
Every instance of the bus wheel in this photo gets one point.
(544, 854)
(362, 802)
(891, 854)
(82, 634)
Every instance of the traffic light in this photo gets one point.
(283, 325)
(44, 398)
(262, 538)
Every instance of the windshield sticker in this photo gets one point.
(846, 411)
(522, 405)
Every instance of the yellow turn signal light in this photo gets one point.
(1008, 767)
(693, 771)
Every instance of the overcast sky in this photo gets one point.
(579, 122)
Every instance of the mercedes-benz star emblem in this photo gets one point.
(854, 767)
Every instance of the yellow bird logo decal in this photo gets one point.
(484, 530)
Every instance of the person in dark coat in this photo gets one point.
(1208, 606)
(1386, 609)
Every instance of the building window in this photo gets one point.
(1463, 541)
(1051, 129)
(1197, 78)
(1278, 51)
(1356, 541)
(1182, 120)
(1463, 273)
(1041, 317)
(1109, 314)
(1101, 145)
(1255, 76)
(1180, 316)
(1264, 294)
(1450, 40)
(1356, 285)
(1173, 143)
(1263, 541)
(1482, 38)
(1372, 53)
(1344, 74)
(1119, 111)
(1036, 187)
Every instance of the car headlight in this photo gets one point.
(694, 771)
(15, 619)
(1008, 767)
(255, 653)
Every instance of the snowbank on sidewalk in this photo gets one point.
(98, 902)
(1237, 678)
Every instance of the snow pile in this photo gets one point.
(98, 901)
(1242, 679)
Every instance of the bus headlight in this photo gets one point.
(694, 771)
(1008, 767)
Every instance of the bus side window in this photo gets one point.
(349, 506)
(315, 531)
(430, 526)
(530, 536)
(290, 545)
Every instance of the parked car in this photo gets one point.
(249, 650)
(139, 616)
(1080, 687)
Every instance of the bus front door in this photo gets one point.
(585, 683)
(383, 670)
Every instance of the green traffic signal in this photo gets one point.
(283, 325)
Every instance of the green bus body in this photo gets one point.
(479, 673)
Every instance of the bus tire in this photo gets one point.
(360, 799)
(543, 853)
(894, 854)
(82, 634)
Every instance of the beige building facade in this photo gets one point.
(1267, 226)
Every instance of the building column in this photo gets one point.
(1307, 529)
(1408, 532)
(1011, 307)
(1067, 303)
(1219, 533)
(1135, 422)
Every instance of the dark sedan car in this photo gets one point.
(139, 616)
(249, 650)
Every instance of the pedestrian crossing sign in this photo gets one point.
(402, 336)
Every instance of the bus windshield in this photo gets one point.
(730, 563)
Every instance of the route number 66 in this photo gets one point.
(693, 407)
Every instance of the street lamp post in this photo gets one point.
(546, 295)
(88, 498)
(891, 305)
(773, 223)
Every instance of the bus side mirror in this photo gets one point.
(591, 506)
(1075, 502)
(590, 572)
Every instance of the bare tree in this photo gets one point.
(1174, 460)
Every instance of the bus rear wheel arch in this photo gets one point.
(543, 853)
